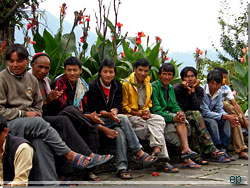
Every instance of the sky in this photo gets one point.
(182, 25)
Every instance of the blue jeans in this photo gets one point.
(220, 132)
(126, 139)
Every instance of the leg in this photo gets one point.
(67, 131)
(213, 129)
(224, 127)
(84, 126)
(46, 160)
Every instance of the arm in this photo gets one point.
(238, 109)
(207, 113)
(23, 164)
(157, 108)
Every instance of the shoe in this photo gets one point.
(188, 155)
(167, 168)
(191, 166)
(146, 159)
(81, 165)
(124, 174)
(161, 158)
(99, 160)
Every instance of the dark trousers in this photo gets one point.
(83, 126)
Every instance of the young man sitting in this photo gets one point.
(189, 96)
(164, 104)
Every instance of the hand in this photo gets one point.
(186, 86)
(233, 119)
(113, 115)
(180, 117)
(110, 133)
(146, 114)
(53, 95)
(197, 83)
(32, 114)
(95, 118)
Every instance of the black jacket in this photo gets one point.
(97, 99)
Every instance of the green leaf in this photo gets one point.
(40, 43)
(110, 25)
(127, 51)
(71, 44)
(86, 70)
(239, 68)
(99, 35)
(153, 56)
(50, 42)
(239, 87)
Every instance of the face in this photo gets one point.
(40, 67)
(141, 73)
(166, 78)
(213, 87)
(107, 75)
(17, 66)
(190, 78)
(72, 73)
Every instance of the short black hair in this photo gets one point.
(73, 61)
(3, 123)
(142, 62)
(167, 67)
(221, 69)
(107, 63)
(214, 75)
(21, 51)
(185, 70)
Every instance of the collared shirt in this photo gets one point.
(227, 93)
(212, 106)
(141, 93)
(22, 162)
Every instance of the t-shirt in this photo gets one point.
(226, 93)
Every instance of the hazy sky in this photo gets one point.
(183, 25)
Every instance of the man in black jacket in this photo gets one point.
(189, 96)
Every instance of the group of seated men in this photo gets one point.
(49, 129)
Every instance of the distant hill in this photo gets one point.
(52, 23)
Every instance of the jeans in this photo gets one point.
(126, 139)
(219, 131)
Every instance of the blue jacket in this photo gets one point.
(212, 107)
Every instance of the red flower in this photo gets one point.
(244, 51)
(123, 54)
(63, 9)
(157, 38)
(29, 41)
(167, 58)
(242, 60)
(138, 40)
(141, 34)
(198, 51)
(82, 39)
(119, 25)
(29, 25)
(155, 174)
(87, 19)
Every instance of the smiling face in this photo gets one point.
(107, 75)
(72, 73)
(190, 78)
(141, 73)
(41, 67)
(166, 78)
(16, 65)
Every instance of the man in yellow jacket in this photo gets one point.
(137, 103)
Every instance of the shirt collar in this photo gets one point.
(208, 93)
(16, 76)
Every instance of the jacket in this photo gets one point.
(160, 105)
(97, 99)
(130, 95)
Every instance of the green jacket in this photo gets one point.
(160, 105)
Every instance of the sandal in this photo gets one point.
(191, 166)
(200, 161)
(218, 157)
(167, 168)
(188, 154)
(99, 160)
(161, 158)
(146, 159)
(243, 156)
(81, 165)
(93, 177)
(124, 174)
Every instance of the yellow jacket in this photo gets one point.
(130, 95)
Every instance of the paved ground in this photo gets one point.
(212, 175)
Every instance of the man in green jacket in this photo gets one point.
(164, 104)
